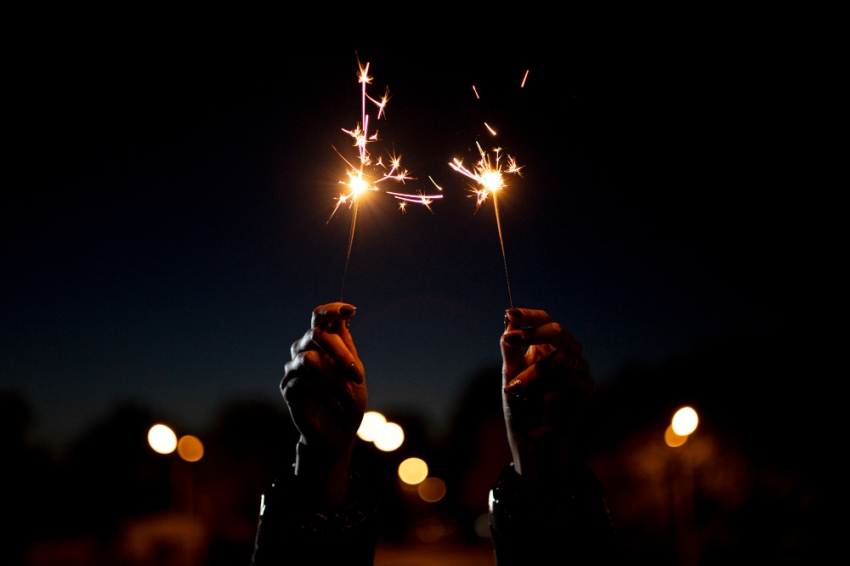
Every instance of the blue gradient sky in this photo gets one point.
(168, 238)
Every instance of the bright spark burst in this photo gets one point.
(488, 172)
(366, 176)
(489, 176)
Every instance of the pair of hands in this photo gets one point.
(545, 380)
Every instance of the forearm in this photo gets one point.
(323, 472)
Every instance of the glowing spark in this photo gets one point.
(435, 183)
(489, 129)
(476, 92)
(523, 78)
(488, 174)
(366, 176)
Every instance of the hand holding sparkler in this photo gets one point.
(545, 382)
(325, 389)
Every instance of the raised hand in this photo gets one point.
(545, 382)
(325, 388)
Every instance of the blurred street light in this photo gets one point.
(190, 448)
(685, 421)
(412, 471)
(672, 439)
(389, 437)
(162, 439)
(432, 490)
(369, 426)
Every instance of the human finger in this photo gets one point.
(340, 351)
(551, 333)
(313, 368)
(310, 362)
(332, 314)
(513, 352)
(528, 317)
(556, 371)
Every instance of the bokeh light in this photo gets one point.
(672, 439)
(432, 489)
(685, 421)
(190, 448)
(413, 470)
(430, 529)
(162, 439)
(372, 421)
(389, 437)
(481, 526)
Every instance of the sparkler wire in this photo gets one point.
(502, 242)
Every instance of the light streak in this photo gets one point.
(489, 129)
(490, 178)
(523, 78)
(476, 92)
(366, 175)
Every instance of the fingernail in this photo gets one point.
(347, 310)
(514, 387)
(354, 374)
(514, 313)
(513, 339)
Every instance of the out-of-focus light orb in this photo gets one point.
(190, 448)
(672, 439)
(482, 525)
(162, 439)
(413, 470)
(685, 421)
(389, 437)
(372, 421)
(430, 529)
(432, 489)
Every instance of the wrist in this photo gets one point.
(323, 471)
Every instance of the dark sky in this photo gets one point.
(164, 238)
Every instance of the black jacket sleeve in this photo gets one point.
(572, 526)
(290, 532)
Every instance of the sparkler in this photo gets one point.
(489, 176)
(366, 175)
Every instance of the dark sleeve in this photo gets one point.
(291, 533)
(573, 526)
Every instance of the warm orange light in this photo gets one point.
(162, 439)
(685, 421)
(389, 437)
(672, 439)
(190, 448)
(412, 471)
(372, 421)
(432, 489)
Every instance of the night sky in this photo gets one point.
(165, 235)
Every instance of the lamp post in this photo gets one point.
(682, 425)
(181, 476)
